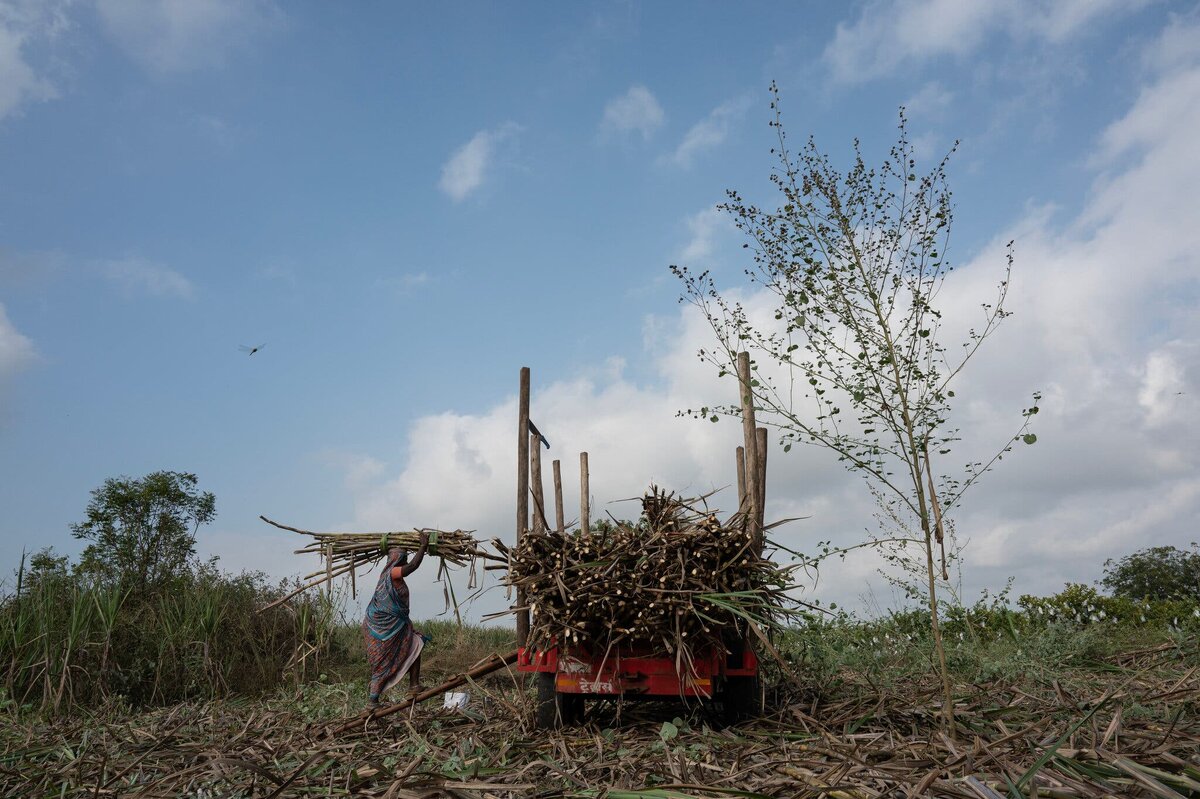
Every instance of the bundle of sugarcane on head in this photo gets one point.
(346, 553)
(675, 581)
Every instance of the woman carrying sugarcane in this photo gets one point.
(393, 646)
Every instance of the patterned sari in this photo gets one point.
(392, 643)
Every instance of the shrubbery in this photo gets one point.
(141, 619)
(65, 640)
(1074, 628)
(1083, 605)
(1157, 573)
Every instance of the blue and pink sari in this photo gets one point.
(392, 643)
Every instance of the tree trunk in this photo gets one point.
(935, 626)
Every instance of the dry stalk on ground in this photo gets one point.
(1131, 730)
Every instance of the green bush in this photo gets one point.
(66, 641)
(140, 619)
(1074, 629)
(1156, 574)
(1081, 605)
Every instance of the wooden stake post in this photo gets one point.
(522, 493)
(754, 475)
(540, 523)
(559, 523)
(741, 477)
(761, 445)
(585, 513)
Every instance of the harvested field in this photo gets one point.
(1129, 727)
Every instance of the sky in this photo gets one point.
(403, 205)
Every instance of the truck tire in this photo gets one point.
(570, 707)
(554, 708)
(546, 711)
(741, 699)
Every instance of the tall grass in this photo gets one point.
(1043, 638)
(65, 643)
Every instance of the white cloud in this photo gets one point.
(709, 132)
(214, 129)
(1178, 46)
(406, 283)
(635, 111)
(632, 436)
(164, 36)
(1055, 20)
(414, 279)
(16, 350)
(360, 471)
(889, 33)
(703, 227)
(171, 36)
(468, 166)
(930, 101)
(1162, 382)
(279, 272)
(140, 276)
(22, 24)
(1104, 326)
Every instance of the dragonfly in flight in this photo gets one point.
(250, 350)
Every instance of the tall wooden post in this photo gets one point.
(559, 524)
(329, 571)
(741, 477)
(539, 498)
(522, 493)
(753, 470)
(585, 507)
(761, 445)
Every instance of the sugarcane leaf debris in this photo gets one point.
(857, 741)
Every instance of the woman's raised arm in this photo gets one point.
(415, 561)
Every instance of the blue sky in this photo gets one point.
(406, 204)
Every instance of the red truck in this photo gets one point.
(568, 676)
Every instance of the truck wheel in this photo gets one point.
(555, 708)
(570, 707)
(741, 699)
(546, 711)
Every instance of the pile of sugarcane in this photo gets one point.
(676, 580)
(345, 553)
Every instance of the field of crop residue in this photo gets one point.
(1126, 725)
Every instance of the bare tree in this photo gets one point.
(854, 361)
